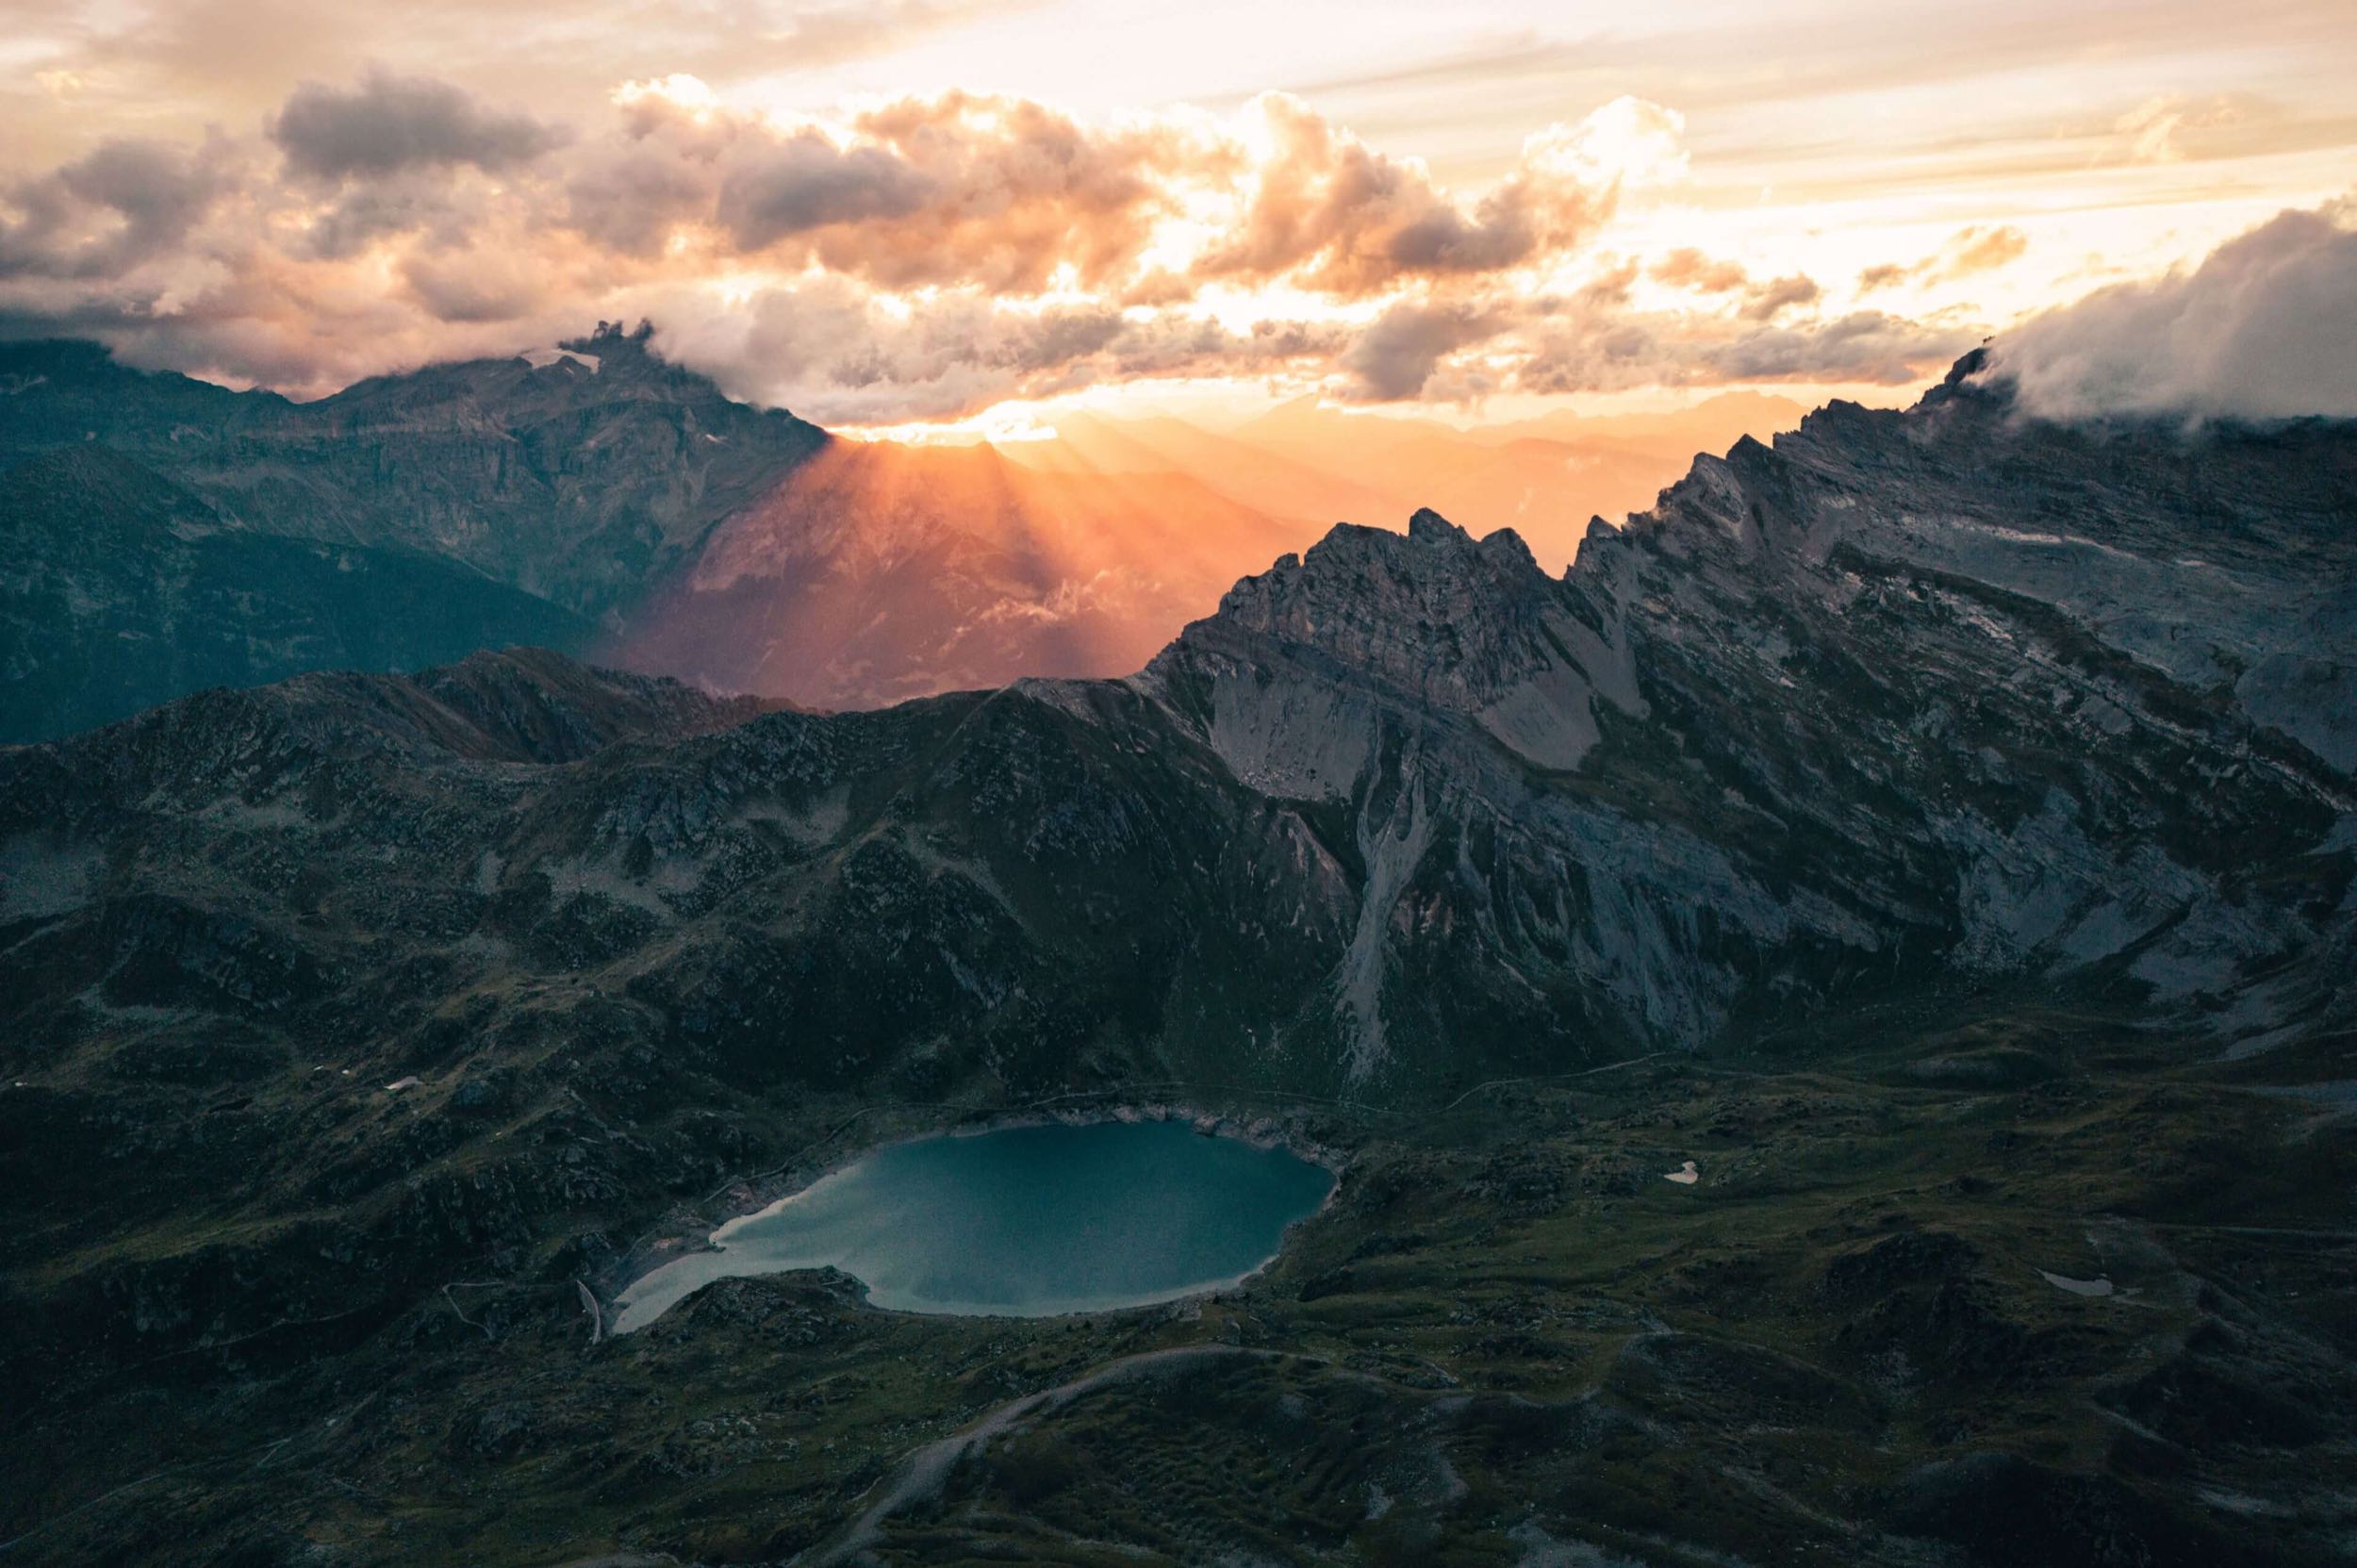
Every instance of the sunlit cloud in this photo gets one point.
(1968, 251)
(916, 258)
(2266, 327)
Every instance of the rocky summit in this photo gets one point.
(1930, 838)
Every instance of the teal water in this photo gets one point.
(1021, 1222)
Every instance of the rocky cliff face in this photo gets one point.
(1934, 693)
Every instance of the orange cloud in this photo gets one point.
(1689, 268)
(1767, 301)
(1332, 215)
(1015, 192)
(1967, 252)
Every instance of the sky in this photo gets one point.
(957, 212)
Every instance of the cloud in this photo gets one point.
(1967, 252)
(471, 285)
(806, 182)
(835, 351)
(1864, 345)
(920, 259)
(2266, 327)
(1689, 268)
(965, 188)
(1587, 343)
(1395, 356)
(920, 192)
(1767, 301)
(2156, 130)
(1981, 250)
(1330, 214)
(104, 213)
(390, 123)
(1016, 191)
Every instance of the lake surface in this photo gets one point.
(1021, 1222)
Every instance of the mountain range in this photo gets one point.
(595, 499)
(1941, 692)
(1947, 725)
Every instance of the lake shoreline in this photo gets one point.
(764, 1196)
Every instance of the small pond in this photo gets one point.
(1019, 1222)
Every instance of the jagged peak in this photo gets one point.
(1973, 376)
(609, 336)
(1431, 527)
(1424, 608)
(1449, 623)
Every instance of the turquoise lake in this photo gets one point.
(1020, 1222)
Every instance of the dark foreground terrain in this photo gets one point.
(1511, 1342)
(1941, 829)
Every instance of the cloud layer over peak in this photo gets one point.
(2265, 328)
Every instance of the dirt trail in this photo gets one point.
(923, 1474)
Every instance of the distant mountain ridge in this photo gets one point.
(1543, 477)
(571, 484)
(120, 589)
(594, 498)
(876, 572)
